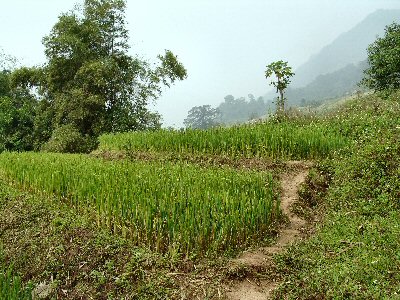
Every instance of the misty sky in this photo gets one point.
(224, 44)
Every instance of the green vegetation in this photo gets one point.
(241, 110)
(166, 207)
(384, 61)
(201, 117)
(231, 111)
(282, 73)
(286, 140)
(17, 115)
(355, 252)
(89, 84)
(11, 287)
(162, 227)
(49, 242)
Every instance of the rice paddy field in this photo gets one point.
(161, 206)
(173, 206)
(286, 140)
(176, 206)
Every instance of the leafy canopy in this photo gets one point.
(282, 73)
(17, 113)
(384, 61)
(202, 117)
(90, 81)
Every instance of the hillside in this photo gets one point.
(355, 251)
(337, 84)
(348, 48)
(257, 209)
(341, 83)
(81, 236)
(328, 86)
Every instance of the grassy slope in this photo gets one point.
(52, 243)
(355, 252)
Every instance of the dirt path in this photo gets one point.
(262, 258)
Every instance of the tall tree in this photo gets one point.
(90, 81)
(282, 73)
(17, 113)
(202, 117)
(384, 61)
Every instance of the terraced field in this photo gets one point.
(186, 195)
(159, 205)
(286, 140)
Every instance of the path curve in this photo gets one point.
(248, 289)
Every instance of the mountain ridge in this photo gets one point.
(348, 48)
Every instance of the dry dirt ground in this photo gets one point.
(262, 258)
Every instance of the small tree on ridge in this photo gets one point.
(282, 73)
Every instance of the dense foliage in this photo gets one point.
(89, 81)
(17, 115)
(384, 61)
(231, 111)
(202, 117)
(241, 110)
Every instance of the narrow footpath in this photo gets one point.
(262, 258)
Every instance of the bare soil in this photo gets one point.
(262, 258)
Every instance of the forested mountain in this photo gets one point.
(348, 48)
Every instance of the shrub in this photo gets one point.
(68, 139)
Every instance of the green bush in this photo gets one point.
(68, 139)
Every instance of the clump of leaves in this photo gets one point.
(68, 139)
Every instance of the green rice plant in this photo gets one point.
(11, 287)
(160, 205)
(286, 140)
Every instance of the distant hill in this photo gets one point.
(332, 73)
(340, 83)
(337, 84)
(328, 86)
(241, 110)
(348, 48)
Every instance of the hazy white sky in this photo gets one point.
(224, 44)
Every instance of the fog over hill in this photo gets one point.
(333, 72)
(328, 86)
(348, 48)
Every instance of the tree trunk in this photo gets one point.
(281, 102)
